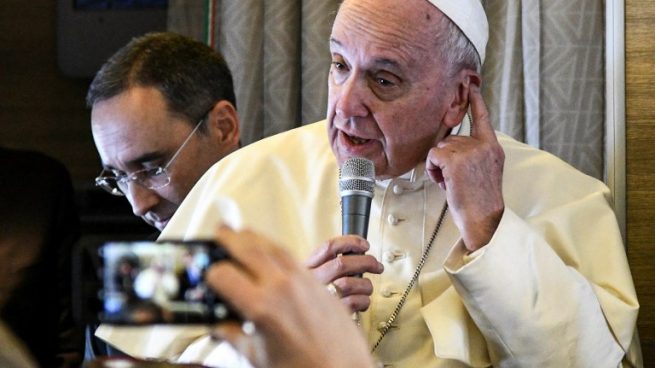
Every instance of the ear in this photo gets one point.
(459, 102)
(224, 125)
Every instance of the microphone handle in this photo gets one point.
(355, 211)
(356, 225)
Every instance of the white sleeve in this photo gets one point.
(554, 290)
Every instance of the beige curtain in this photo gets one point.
(543, 74)
(277, 51)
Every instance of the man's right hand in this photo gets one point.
(330, 265)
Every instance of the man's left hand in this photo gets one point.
(470, 169)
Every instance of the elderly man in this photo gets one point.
(482, 251)
(163, 111)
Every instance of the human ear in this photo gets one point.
(459, 102)
(224, 124)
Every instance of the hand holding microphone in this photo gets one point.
(356, 184)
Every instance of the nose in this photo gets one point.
(142, 199)
(350, 99)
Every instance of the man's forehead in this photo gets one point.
(125, 142)
(394, 31)
(403, 19)
(422, 17)
(126, 155)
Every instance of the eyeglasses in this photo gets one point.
(154, 178)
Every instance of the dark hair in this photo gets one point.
(191, 75)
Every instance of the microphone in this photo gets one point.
(356, 184)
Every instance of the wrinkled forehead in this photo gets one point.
(409, 27)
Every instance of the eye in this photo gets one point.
(338, 66)
(154, 171)
(386, 86)
(338, 70)
(384, 82)
(117, 174)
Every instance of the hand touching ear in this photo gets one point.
(470, 169)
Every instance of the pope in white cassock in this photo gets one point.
(482, 251)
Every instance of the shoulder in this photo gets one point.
(276, 172)
(521, 157)
(309, 138)
(533, 175)
(299, 149)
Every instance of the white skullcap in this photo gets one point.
(471, 19)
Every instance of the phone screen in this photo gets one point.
(159, 282)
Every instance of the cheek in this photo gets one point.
(330, 115)
(332, 100)
(174, 194)
(177, 189)
(407, 137)
(396, 126)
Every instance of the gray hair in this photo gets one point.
(457, 51)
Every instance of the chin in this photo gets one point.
(161, 225)
(155, 224)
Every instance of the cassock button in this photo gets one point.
(393, 220)
(397, 189)
(386, 292)
(389, 257)
(382, 326)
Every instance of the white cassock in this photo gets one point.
(551, 289)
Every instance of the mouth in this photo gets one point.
(357, 141)
(156, 222)
(161, 224)
(349, 145)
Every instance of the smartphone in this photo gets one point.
(144, 282)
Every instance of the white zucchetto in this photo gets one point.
(470, 17)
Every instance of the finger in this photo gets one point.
(229, 331)
(357, 303)
(347, 286)
(255, 254)
(433, 170)
(232, 332)
(345, 266)
(336, 246)
(233, 284)
(480, 125)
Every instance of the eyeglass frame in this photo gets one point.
(104, 181)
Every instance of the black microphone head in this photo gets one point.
(357, 176)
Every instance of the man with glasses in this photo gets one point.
(163, 111)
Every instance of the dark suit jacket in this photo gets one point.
(38, 227)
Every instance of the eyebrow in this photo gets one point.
(389, 63)
(146, 157)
